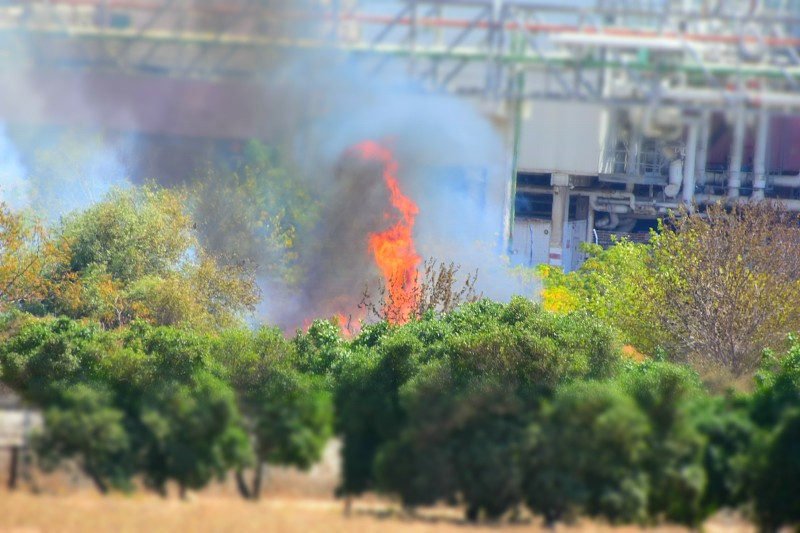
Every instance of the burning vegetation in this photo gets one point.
(393, 249)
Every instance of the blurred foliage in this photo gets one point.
(163, 403)
(287, 413)
(616, 285)
(729, 279)
(135, 256)
(459, 389)
(255, 212)
(151, 374)
(712, 289)
(27, 256)
(489, 406)
(568, 473)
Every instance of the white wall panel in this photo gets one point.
(561, 137)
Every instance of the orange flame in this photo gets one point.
(394, 249)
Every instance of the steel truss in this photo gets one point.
(691, 54)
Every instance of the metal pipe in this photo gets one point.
(723, 97)
(625, 226)
(786, 181)
(689, 164)
(791, 205)
(609, 223)
(760, 156)
(560, 210)
(737, 153)
(675, 179)
(628, 197)
(617, 209)
(717, 198)
(702, 147)
(634, 147)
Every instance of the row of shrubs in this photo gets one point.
(492, 407)
(495, 406)
(165, 404)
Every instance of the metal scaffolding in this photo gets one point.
(690, 54)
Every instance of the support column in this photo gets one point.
(689, 164)
(560, 184)
(590, 225)
(737, 153)
(760, 156)
(701, 159)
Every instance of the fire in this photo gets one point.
(393, 249)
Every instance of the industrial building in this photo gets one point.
(612, 111)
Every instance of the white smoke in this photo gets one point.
(14, 189)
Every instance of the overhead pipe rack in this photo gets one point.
(680, 53)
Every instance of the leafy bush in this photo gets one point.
(730, 438)
(436, 409)
(586, 456)
(774, 464)
(673, 462)
(144, 389)
(84, 425)
(776, 481)
(287, 414)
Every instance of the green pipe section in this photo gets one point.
(640, 63)
(520, 91)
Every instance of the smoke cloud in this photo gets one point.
(13, 186)
(319, 104)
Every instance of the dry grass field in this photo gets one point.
(293, 502)
(82, 511)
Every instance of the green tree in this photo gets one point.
(616, 285)
(585, 456)
(57, 365)
(193, 431)
(730, 438)
(674, 460)
(287, 414)
(776, 479)
(436, 409)
(139, 400)
(255, 212)
(182, 412)
(773, 463)
(84, 425)
(730, 282)
(27, 255)
(135, 256)
(319, 349)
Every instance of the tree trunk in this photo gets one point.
(348, 505)
(13, 466)
(255, 494)
(182, 492)
(241, 484)
(98, 481)
(251, 491)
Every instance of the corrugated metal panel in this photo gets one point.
(531, 242)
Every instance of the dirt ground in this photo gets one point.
(23, 512)
(293, 502)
